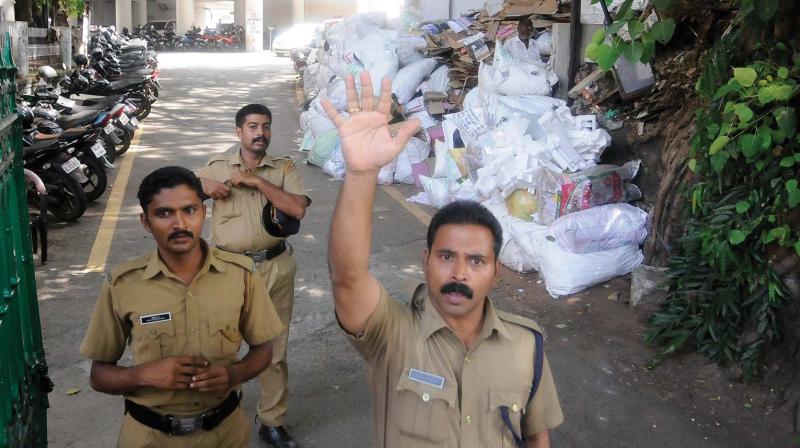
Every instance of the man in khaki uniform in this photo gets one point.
(242, 181)
(450, 370)
(184, 309)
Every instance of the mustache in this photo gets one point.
(458, 288)
(180, 234)
(261, 139)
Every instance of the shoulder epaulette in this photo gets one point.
(243, 261)
(128, 266)
(518, 320)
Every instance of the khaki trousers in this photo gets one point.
(278, 275)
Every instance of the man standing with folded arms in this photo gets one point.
(184, 310)
(242, 182)
(449, 370)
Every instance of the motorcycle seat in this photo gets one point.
(78, 119)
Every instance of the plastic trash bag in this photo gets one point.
(323, 148)
(560, 194)
(600, 228)
(416, 151)
(408, 79)
(438, 190)
(567, 273)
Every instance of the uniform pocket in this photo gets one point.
(513, 399)
(224, 336)
(425, 411)
(153, 341)
(229, 207)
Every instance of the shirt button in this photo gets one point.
(515, 408)
(153, 332)
(189, 293)
(192, 331)
(468, 419)
(227, 327)
(466, 360)
(426, 397)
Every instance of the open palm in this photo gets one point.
(367, 143)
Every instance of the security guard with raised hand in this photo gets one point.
(184, 309)
(258, 202)
(450, 370)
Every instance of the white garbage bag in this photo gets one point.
(324, 146)
(408, 49)
(335, 166)
(319, 122)
(408, 78)
(416, 151)
(438, 81)
(567, 273)
(386, 174)
(445, 165)
(600, 228)
(437, 190)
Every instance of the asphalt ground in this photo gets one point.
(594, 346)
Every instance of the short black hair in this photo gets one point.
(250, 109)
(467, 212)
(167, 177)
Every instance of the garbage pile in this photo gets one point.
(496, 134)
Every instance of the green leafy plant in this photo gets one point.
(628, 36)
(725, 296)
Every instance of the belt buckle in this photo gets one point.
(259, 256)
(182, 426)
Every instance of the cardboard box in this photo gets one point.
(434, 102)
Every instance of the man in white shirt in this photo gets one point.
(523, 46)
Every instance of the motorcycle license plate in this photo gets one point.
(98, 150)
(124, 119)
(66, 102)
(71, 165)
(109, 128)
(134, 121)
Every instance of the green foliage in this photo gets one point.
(725, 297)
(629, 37)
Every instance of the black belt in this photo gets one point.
(181, 426)
(268, 254)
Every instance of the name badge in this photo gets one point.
(153, 318)
(426, 378)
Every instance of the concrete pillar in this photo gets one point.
(139, 13)
(254, 30)
(124, 15)
(200, 17)
(184, 16)
(239, 12)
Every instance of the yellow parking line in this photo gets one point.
(102, 242)
(418, 213)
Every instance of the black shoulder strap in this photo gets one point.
(538, 366)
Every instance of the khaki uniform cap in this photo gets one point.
(428, 390)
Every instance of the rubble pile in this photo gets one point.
(496, 134)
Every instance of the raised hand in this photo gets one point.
(367, 143)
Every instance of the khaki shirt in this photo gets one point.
(411, 410)
(145, 305)
(236, 220)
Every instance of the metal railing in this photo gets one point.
(23, 371)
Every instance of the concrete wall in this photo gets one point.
(103, 12)
(439, 9)
(278, 14)
(19, 46)
(160, 10)
(319, 10)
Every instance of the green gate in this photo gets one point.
(23, 371)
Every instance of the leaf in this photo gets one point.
(760, 165)
(787, 162)
(745, 113)
(750, 144)
(73, 391)
(718, 161)
(780, 92)
(712, 129)
(736, 237)
(718, 144)
(783, 72)
(663, 29)
(797, 247)
(745, 76)
(765, 9)
(599, 36)
(778, 135)
(635, 28)
(764, 98)
(722, 91)
(615, 27)
(742, 207)
(648, 50)
(662, 4)
(607, 56)
(624, 9)
(632, 52)
(692, 165)
(591, 51)
(786, 119)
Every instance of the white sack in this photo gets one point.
(600, 228)
(415, 152)
(408, 78)
(526, 237)
(438, 191)
(324, 146)
(386, 174)
(334, 166)
(445, 165)
(545, 43)
(319, 122)
(438, 81)
(567, 273)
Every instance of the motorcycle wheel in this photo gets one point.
(126, 136)
(65, 197)
(108, 144)
(97, 181)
